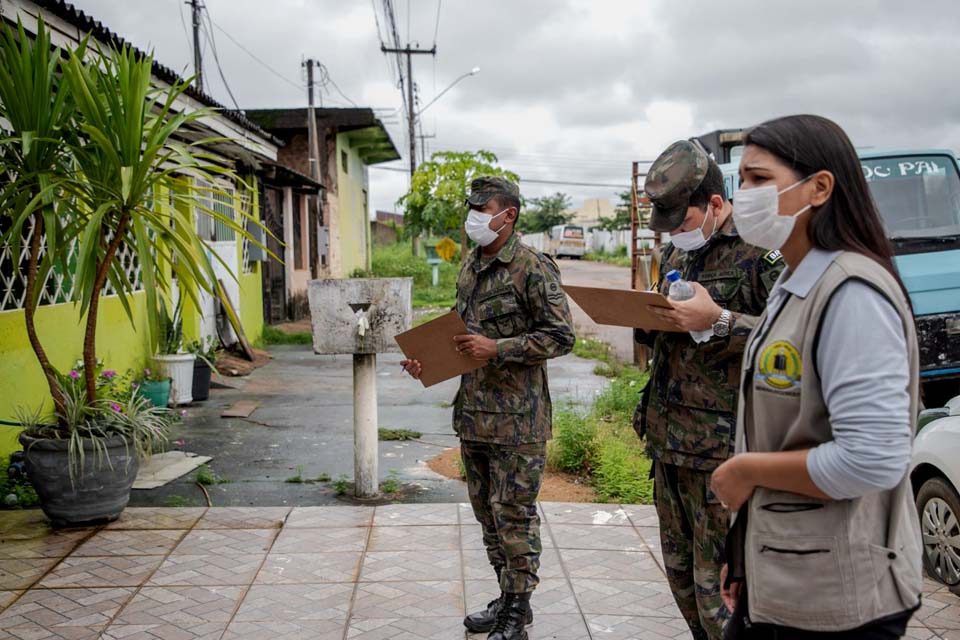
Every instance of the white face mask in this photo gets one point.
(756, 213)
(478, 227)
(693, 240)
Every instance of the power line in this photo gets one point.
(566, 183)
(183, 23)
(298, 85)
(216, 58)
(436, 29)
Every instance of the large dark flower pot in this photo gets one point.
(99, 492)
(201, 380)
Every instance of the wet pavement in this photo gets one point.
(304, 426)
(394, 572)
(584, 273)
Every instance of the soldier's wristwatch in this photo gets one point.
(721, 328)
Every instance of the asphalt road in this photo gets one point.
(597, 274)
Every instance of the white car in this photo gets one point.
(936, 478)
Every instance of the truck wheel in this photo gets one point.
(939, 508)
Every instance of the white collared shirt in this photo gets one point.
(864, 375)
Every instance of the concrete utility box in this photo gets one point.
(360, 317)
(340, 307)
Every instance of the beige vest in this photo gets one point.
(814, 564)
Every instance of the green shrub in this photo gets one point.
(573, 447)
(273, 335)
(622, 472)
(622, 396)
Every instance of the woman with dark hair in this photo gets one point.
(826, 538)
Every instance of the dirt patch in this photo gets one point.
(300, 326)
(557, 487)
(231, 364)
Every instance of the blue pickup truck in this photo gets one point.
(918, 195)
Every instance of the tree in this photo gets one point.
(543, 213)
(621, 218)
(438, 189)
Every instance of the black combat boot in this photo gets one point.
(514, 615)
(483, 621)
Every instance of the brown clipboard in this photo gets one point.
(622, 307)
(432, 345)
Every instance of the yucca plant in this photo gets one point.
(35, 168)
(133, 143)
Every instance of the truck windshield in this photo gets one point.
(918, 196)
(573, 232)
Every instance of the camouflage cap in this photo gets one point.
(671, 180)
(486, 187)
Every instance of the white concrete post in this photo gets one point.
(365, 433)
(436, 274)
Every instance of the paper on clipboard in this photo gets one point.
(432, 345)
(622, 307)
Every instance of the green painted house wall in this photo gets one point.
(353, 208)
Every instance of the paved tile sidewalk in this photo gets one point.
(397, 572)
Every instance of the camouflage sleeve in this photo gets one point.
(551, 334)
(763, 276)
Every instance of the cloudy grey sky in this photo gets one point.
(574, 90)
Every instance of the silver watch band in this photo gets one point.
(721, 327)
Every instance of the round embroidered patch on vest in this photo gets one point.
(780, 365)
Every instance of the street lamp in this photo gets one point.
(472, 72)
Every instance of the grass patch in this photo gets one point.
(323, 477)
(296, 479)
(431, 315)
(300, 479)
(618, 257)
(398, 261)
(398, 434)
(207, 477)
(272, 335)
(392, 484)
(341, 485)
(601, 445)
(179, 501)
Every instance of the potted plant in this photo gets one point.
(102, 441)
(90, 144)
(176, 364)
(154, 385)
(203, 367)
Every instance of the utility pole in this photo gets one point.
(411, 114)
(423, 144)
(313, 142)
(195, 9)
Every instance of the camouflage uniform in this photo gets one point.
(502, 411)
(688, 409)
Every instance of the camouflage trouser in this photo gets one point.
(693, 527)
(503, 482)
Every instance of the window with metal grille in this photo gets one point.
(223, 202)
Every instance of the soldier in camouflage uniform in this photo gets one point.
(688, 409)
(511, 299)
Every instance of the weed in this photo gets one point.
(341, 485)
(23, 495)
(323, 477)
(445, 405)
(273, 335)
(179, 501)
(574, 442)
(392, 484)
(399, 434)
(607, 371)
(461, 468)
(206, 476)
(297, 479)
(592, 349)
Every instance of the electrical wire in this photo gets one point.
(298, 85)
(216, 57)
(436, 29)
(568, 183)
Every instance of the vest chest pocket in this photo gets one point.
(500, 314)
(723, 285)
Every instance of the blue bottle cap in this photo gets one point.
(673, 276)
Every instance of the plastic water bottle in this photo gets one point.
(680, 289)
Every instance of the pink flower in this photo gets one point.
(183, 413)
(108, 374)
(135, 385)
(74, 374)
(180, 442)
(115, 407)
(146, 372)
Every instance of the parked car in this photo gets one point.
(936, 476)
